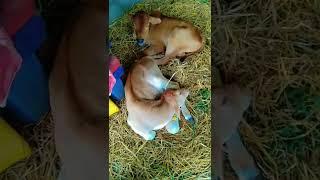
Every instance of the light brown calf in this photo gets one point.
(149, 83)
(172, 36)
(146, 116)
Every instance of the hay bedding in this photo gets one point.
(44, 162)
(273, 48)
(185, 155)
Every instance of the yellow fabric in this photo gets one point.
(113, 108)
(13, 147)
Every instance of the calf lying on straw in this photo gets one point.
(172, 36)
(144, 85)
(146, 116)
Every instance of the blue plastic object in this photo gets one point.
(28, 100)
(140, 42)
(28, 39)
(119, 72)
(117, 93)
(109, 44)
(118, 7)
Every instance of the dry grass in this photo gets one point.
(187, 154)
(273, 48)
(43, 163)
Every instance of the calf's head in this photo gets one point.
(176, 98)
(141, 24)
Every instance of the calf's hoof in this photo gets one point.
(190, 120)
(173, 127)
(150, 136)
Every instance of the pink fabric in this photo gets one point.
(112, 82)
(10, 63)
(15, 13)
(114, 64)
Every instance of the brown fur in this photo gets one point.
(78, 95)
(168, 35)
(145, 116)
(148, 81)
(142, 71)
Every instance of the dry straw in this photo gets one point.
(269, 46)
(43, 164)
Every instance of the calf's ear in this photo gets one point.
(154, 20)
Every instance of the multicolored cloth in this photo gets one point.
(112, 82)
(9, 65)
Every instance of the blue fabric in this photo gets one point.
(28, 39)
(28, 100)
(117, 8)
